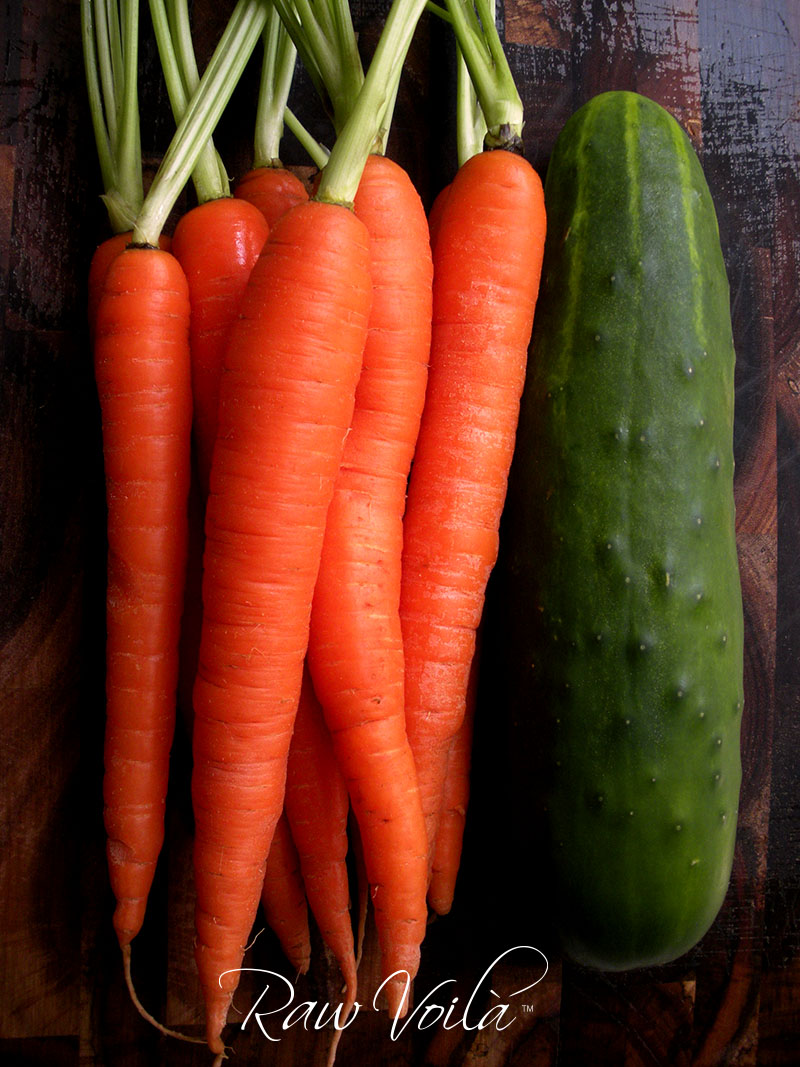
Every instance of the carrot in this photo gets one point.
(317, 806)
(142, 373)
(286, 404)
(143, 378)
(487, 262)
(356, 644)
(271, 189)
(283, 898)
(138, 318)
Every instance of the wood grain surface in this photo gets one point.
(730, 72)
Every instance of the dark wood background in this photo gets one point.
(730, 71)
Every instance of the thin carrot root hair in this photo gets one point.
(145, 1014)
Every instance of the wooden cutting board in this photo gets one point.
(730, 71)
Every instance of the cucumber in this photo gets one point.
(626, 595)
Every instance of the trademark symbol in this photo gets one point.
(527, 1009)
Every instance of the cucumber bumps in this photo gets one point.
(627, 600)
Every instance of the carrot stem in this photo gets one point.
(177, 61)
(110, 50)
(178, 11)
(439, 11)
(470, 123)
(342, 78)
(326, 43)
(361, 132)
(277, 71)
(479, 41)
(349, 58)
(89, 33)
(318, 154)
(204, 110)
(128, 148)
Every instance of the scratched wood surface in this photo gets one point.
(730, 71)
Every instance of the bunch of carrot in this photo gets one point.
(346, 433)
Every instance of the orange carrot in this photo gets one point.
(217, 244)
(273, 190)
(355, 647)
(283, 898)
(286, 403)
(453, 814)
(142, 371)
(487, 263)
(317, 807)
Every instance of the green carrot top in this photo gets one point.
(109, 36)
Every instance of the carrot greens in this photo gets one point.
(109, 34)
(204, 109)
(174, 39)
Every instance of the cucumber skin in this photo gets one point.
(626, 603)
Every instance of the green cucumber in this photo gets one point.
(627, 601)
